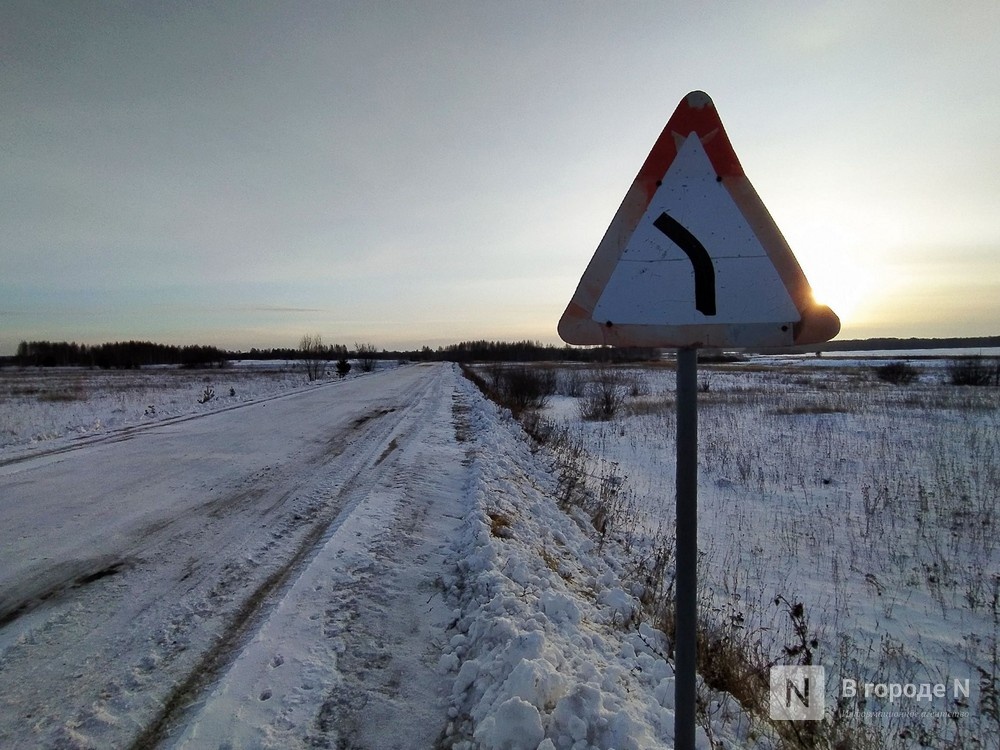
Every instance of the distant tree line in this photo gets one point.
(125, 355)
(269, 354)
(533, 351)
(134, 354)
(465, 351)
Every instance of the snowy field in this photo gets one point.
(873, 505)
(374, 563)
(38, 405)
(390, 562)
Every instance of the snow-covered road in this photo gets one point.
(376, 563)
(256, 577)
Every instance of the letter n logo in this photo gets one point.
(798, 693)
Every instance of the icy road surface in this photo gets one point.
(263, 576)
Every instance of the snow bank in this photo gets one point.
(547, 652)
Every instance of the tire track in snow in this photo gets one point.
(255, 608)
(377, 468)
(348, 656)
(208, 550)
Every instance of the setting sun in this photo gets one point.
(840, 287)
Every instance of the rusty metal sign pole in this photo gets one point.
(686, 620)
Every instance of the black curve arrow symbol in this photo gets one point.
(704, 271)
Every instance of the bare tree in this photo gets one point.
(366, 354)
(314, 354)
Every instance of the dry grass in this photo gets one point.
(642, 407)
(913, 472)
(500, 525)
(811, 409)
(76, 394)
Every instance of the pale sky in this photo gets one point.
(409, 173)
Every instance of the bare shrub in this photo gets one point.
(731, 660)
(314, 354)
(974, 371)
(526, 387)
(494, 378)
(570, 468)
(604, 396)
(897, 373)
(366, 356)
(634, 384)
(518, 388)
(572, 382)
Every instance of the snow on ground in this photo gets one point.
(376, 563)
(348, 656)
(141, 569)
(38, 405)
(383, 562)
(549, 650)
(871, 504)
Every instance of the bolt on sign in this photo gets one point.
(693, 258)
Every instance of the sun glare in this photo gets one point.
(841, 285)
(836, 276)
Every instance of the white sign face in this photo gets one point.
(658, 280)
(692, 258)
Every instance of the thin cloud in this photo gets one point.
(275, 309)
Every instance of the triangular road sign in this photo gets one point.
(693, 258)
